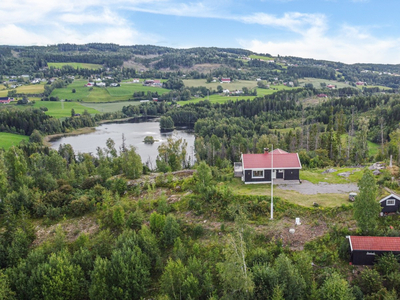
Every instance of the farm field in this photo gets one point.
(56, 110)
(254, 56)
(109, 107)
(10, 139)
(75, 65)
(316, 82)
(216, 98)
(374, 86)
(101, 94)
(234, 85)
(25, 89)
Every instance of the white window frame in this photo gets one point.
(370, 253)
(390, 202)
(252, 174)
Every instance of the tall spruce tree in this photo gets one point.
(366, 208)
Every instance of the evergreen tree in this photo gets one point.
(366, 208)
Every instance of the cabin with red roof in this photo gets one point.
(364, 250)
(228, 80)
(6, 100)
(258, 168)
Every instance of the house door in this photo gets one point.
(279, 174)
(273, 174)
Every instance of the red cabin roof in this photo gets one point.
(282, 160)
(375, 243)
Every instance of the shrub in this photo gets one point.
(198, 231)
(80, 206)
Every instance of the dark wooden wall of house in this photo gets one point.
(292, 174)
(390, 208)
(247, 176)
(359, 257)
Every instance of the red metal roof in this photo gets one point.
(282, 160)
(375, 243)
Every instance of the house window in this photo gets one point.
(258, 174)
(280, 171)
(390, 202)
(370, 253)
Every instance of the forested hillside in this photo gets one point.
(106, 225)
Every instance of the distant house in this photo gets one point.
(101, 84)
(225, 91)
(365, 249)
(360, 83)
(225, 80)
(258, 168)
(322, 95)
(330, 86)
(155, 99)
(89, 84)
(114, 84)
(390, 204)
(135, 80)
(6, 100)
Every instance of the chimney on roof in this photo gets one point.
(266, 150)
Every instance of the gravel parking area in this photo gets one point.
(309, 188)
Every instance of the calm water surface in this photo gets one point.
(134, 135)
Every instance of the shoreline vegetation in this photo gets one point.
(52, 137)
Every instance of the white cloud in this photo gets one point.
(349, 45)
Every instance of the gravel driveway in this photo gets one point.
(309, 188)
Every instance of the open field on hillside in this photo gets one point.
(316, 82)
(216, 98)
(56, 108)
(374, 86)
(234, 85)
(109, 107)
(254, 56)
(75, 65)
(25, 89)
(102, 94)
(9, 139)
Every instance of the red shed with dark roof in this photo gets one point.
(365, 249)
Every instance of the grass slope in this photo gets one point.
(75, 65)
(109, 107)
(56, 109)
(25, 89)
(102, 94)
(10, 139)
(254, 56)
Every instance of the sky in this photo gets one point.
(349, 31)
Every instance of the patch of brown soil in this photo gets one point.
(72, 229)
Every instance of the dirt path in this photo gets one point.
(309, 188)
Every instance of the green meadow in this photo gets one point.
(25, 89)
(102, 94)
(10, 139)
(59, 109)
(253, 56)
(109, 107)
(216, 98)
(75, 65)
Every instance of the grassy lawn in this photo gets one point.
(75, 65)
(9, 139)
(56, 110)
(102, 94)
(324, 200)
(373, 148)
(25, 89)
(109, 107)
(253, 56)
(316, 176)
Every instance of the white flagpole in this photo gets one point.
(272, 183)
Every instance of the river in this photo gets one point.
(134, 135)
